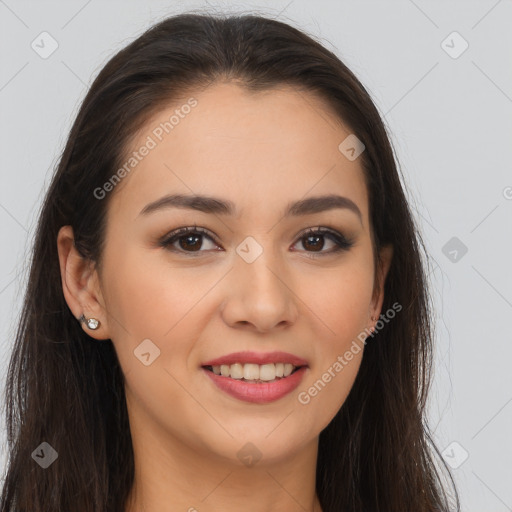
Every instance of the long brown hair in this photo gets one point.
(377, 453)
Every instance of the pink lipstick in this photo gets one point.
(256, 377)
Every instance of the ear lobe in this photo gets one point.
(80, 284)
(384, 263)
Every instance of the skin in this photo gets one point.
(260, 151)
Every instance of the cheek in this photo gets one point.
(153, 325)
(340, 300)
(157, 302)
(342, 307)
(147, 296)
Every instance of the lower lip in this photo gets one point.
(259, 393)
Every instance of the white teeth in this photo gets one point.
(236, 371)
(251, 372)
(254, 372)
(288, 368)
(268, 372)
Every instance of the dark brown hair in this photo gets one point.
(377, 453)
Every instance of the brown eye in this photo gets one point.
(189, 239)
(314, 241)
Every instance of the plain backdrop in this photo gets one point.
(440, 74)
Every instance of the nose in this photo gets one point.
(260, 295)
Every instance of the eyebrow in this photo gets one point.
(217, 206)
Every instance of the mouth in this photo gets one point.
(256, 377)
(255, 373)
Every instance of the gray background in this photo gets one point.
(451, 124)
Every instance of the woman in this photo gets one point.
(188, 341)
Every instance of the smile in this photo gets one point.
(251, 372)
(256, 391)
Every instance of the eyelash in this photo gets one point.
(342, 243)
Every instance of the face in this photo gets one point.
(247, 277)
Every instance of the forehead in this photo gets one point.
(255, 149)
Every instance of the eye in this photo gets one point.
(313, 238)
(189, 240)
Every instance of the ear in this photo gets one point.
(80, 284)
(384, 262)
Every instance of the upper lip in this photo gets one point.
(257, 358)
